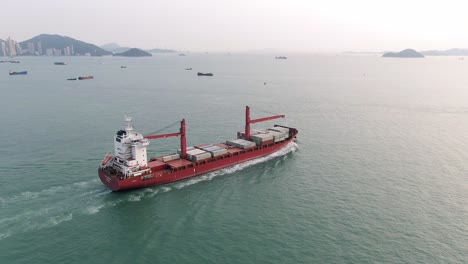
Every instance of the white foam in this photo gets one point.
(165, 189)
(94, 209)
(4, 235)
(153, 193)
(28, 195)
(55, 220)
(135, 198)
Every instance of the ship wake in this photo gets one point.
(89, 198)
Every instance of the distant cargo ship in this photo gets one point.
(85, 77)
(60, 63)
(129, 167)
(280, 58)
(18, 73)
(10, 61)
(205, 74)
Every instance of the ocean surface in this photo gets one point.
(379, 173)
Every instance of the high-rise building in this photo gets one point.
(19, 50)
(57, 52)
(3, 48)
(11, 47)
(50, 52)
(39, 48)
(67, 51)
(31, 48)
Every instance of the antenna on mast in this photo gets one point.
(129, 125)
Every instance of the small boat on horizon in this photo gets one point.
(188, 69)
(123, 67)
(280, 57)
(60, 63)
(205, 74)
(18, 73)
(10, 61)
(71, 79)
(85, 77)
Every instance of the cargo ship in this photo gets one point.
(129, 168)
(204, 74)
(85, 77)
(18, 73)
(60, 63)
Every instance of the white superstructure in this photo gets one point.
(130, 151)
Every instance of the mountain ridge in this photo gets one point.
(133, 53)
(407, 53)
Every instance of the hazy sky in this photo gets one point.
(245, 25)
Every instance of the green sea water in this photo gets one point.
(378, 173)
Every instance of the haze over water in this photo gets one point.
(378, 173)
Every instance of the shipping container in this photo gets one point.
(241, 143)
(259, 139)
(241, 134)
(203, 145)
(188, 149)
(219, 152)
(266, 142)
(283, 130)
(170, 157)
(212, 148)
(201, 156)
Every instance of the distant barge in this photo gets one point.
(18, 73)
(205, 74)
(85, 77)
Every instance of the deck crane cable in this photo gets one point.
(268, 112)
(162, 129)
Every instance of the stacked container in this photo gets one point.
(188, 149)
(262, 139)
(279, 133)
(197, 155)
(215, 151)
(241, 134)
(170, 157)
(240, 143)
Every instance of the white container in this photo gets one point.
(201, 156)
(170, 157)
(216, 153)
(188, 149)
(241, 143)
(280, 129)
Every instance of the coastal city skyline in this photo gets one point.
(11, 48)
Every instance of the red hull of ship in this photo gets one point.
(162, 176)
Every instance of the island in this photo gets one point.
(449, 52)
(133, 53)
(161, 51)
(407, 53)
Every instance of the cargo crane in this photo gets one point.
(249, 121)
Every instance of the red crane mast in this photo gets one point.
(183, 141)
(249, 121)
